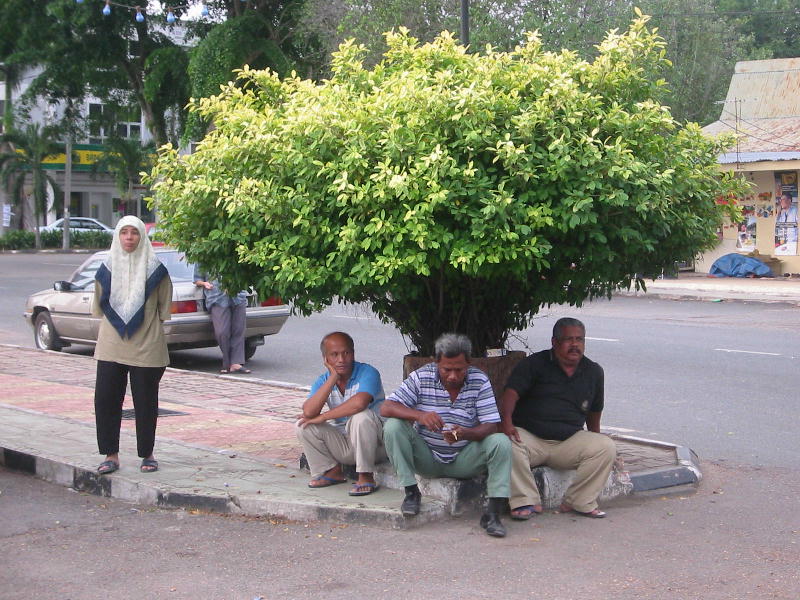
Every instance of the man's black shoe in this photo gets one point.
(410, 505)
(490, 521)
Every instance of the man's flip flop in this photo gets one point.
(149, 465)
(241, 371)
(357, 491)
(592, 514)
(328, 481)
(107, 466)
(523, 513)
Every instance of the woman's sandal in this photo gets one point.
(107, 466)
(149, 465)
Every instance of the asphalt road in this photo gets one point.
(722, 378)
(735, 539)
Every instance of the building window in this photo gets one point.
(113, 121)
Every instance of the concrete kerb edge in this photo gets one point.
(685, 472)
(121, 488)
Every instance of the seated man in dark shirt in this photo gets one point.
(548, 398)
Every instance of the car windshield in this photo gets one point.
(84, 275)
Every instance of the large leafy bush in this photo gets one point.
(453, 191)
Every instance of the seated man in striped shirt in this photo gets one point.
(442, 422)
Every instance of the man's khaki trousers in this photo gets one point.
(592, 454)
(361, 444)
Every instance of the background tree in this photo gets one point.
(114, 58)
(452, 191)
(704, 38)
(25, 160)
(125, 159)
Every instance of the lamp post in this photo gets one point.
(465, 22)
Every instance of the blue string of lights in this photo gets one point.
(140, 12)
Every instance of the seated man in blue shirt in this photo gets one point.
(443, 423)
(353, 393)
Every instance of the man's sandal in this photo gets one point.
(523, 513)
(324, 481)
(358, 489)
(592, 514)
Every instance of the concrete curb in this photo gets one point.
(686, 472)
(122, 488)
(257, 488)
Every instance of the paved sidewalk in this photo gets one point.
(225, 444)
(699, 286)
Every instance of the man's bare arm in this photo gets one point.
(353, 405)
(508, 402)
(593, 421)
(313, 405)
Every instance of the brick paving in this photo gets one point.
(230, 414)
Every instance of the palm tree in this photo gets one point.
(25, 159)
(125, 159)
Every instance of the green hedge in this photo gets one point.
(22, 240)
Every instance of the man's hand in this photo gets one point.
(508, 428)
(333, 374)
(431, 420)
(303, 422)
(455, 434)
(204, 284)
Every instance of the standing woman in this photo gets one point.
(133, 295)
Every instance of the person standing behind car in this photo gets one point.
(229, 316)
(132, 295)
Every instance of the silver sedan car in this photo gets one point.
(63, 315)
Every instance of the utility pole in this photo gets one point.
(465, 22)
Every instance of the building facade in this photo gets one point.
(762, 109)
(92, 195)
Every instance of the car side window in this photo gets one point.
(83, 278)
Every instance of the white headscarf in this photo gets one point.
(130, 272)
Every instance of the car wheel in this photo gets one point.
(249, 349)
(44, 334)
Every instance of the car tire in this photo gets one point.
(249, 349)
(44, 333)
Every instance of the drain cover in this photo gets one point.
(130, 415)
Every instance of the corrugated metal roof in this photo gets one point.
(763, 108)
(761, 135)
(751, 157)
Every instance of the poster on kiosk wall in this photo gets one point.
(786, 213)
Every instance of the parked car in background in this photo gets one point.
(151, 229)
(78, 224)
(63, 315)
